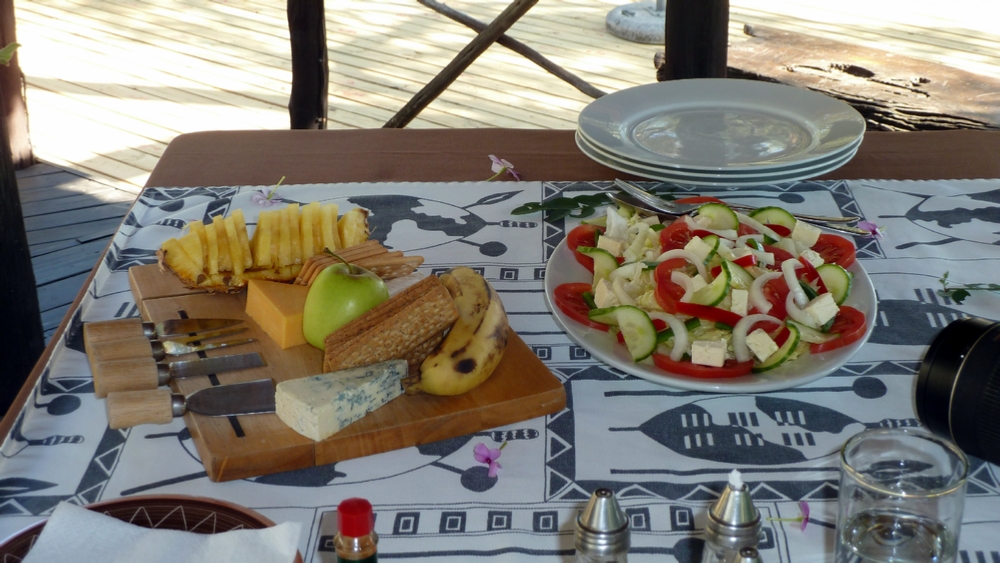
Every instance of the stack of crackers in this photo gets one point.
(408, 326)
(369, 255)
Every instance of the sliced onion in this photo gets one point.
(685, 281)
(760, 227)
(687, 255)
(628, 271)
(742, 241)
(788, 268)
(757, 298)
(740, 348)
(618, 288)
(694, 225)
(798, 315)
(680, 333)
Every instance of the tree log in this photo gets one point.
(519, 48)
(465, 57)
(697, 33)
(12, 90)
(307, 103)
(22, 341)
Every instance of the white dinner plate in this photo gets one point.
(563, 268)
(721, 174)
(666, 175)
(720, 124)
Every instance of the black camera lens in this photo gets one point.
(958, 387)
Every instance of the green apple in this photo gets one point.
(338, 295)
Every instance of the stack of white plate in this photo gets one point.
(720, 132)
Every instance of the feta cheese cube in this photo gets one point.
(812, 257)
(761, 344)
(822, 309)
(738, 305)
(708, 352)
(699, 248)
(805, 233)
(613, 246)
(604, 296)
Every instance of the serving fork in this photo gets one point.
(643, 199)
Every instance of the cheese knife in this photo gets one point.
(142, 347)
(133, 374)
(101, 331)
(159, 406)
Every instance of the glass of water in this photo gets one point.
(902, 491)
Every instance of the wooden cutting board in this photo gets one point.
(247, 446)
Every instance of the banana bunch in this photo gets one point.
(474, 345)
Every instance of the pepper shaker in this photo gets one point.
(602, 531)
(733, 523)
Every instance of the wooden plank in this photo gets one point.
(78, 201)
(52, 318)
(38, 169)
(75, 188)
(72, 216)
(242, 447)
(61, 292)
(86, 231)
(67, 262)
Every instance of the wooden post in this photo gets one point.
(462, 60)
(697, 35)
(310, 71)
(11, 84)
(22, 341)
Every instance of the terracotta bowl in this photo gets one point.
(169, 512)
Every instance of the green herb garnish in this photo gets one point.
(960, 292)
(559, 207)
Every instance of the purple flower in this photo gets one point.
(265, 199)
(488, 456)
(804, 508)
(500, 166)
(872, 228)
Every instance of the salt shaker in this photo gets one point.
(733, 523)
(602, 533)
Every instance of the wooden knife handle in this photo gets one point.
(132, 408)
(135, 347)
(118, 329)
(130, 374)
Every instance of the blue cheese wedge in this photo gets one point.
(320, 406)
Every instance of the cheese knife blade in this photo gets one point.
(206, 366)
(170, 348)
(180, 327)
(254, 397)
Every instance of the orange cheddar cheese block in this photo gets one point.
(277, 308)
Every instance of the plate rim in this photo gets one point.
(561, 258)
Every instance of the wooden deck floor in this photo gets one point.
(111, 82)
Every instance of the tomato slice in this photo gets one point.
(779, 229)
(731, 368)
(746, 261)
(776, 291)
(780, 255)
(745, 229)
(583, 235)
(667, 292)
(849, 323)
(835, 249)
(569, 299)
(705, 312)
(812, 275)
(675, 235)
(699, 199)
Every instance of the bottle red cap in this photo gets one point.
(355, 517)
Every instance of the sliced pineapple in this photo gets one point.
(235, 249)
(198, 228)
(241, 234)
(293, 232)
(261, 244)
(174, 256)
(192, 247)
(353, 227)
(308, 244)
(331, 235)
(225, 256)
(212, 244)
(284, 240)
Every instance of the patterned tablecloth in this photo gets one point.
(665, 452)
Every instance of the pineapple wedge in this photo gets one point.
(241, 234)
(328, 221)
(212, 246)
(306, 243)
(261, 244)
(225, 257)
(192, 247)
(284, 240)
(198, 228)
(293, 232)
(235, 249)
(353, 227)
(173, 255)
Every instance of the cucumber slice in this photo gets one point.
(711, 241)
(604, 261)
(668, 333)
(837, 280)
(635, 325)
(739, 277)
(718, 217)
(783, 353)
(811, 335)
(600, 221)
(713, 293)
(774, 216)
(809, 291)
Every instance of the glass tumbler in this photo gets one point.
(902, 491)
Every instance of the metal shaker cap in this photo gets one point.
(734, 514)
(748, 555)
(602, 527)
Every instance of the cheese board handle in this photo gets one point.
(129, 374)
(117, 329)
(132, 408)
(135, 347)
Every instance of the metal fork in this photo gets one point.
(642, 198)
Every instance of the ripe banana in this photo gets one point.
(474, 345)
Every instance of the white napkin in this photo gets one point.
(76, 534)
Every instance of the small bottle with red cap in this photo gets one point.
(356, 539)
